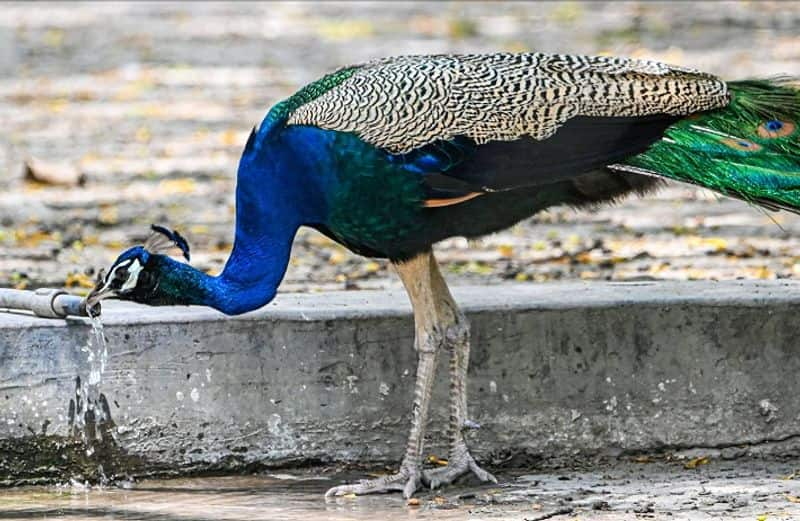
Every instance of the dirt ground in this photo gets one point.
(148, 106)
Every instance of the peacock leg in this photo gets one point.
(435, 315)
(459, 461)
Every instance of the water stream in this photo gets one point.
(88, 399)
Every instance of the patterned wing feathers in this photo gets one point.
(400, 104)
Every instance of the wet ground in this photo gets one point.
(150, 104)
(752, 490)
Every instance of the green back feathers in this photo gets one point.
(749, 149)
(282, 110)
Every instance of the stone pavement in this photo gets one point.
(151, 103)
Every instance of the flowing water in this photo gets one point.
(97, 345)
(89, 393)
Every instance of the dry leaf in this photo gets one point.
(183, 185)
(229, 138)
(437, 461)
(505, 250)
(108, 215)
(79, 280)
(337, 257)
(696, 462)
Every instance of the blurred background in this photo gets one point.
(118, 115)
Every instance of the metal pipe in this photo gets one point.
(46, 302)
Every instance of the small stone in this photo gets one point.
(768, 410)
(601, 505)
(63, 174)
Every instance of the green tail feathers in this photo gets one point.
(750, 149)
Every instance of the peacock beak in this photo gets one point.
(102, 290)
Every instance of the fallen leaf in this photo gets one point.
(183, 185)
(57, 105)
(108, 215)
(717, 244)
(79, 280)
(337, 257)
(199, 229)
(19, 280)
(434, 460)
(696, 462)
(505, 250)
(792, 499)
(33, 239)
(762, 272)
(413, 502)
(229, 138)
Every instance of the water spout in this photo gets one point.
(47, 303)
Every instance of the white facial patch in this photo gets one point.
(114, 280)
(133, 275)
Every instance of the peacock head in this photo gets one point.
(138, 272)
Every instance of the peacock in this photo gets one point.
(391, 156)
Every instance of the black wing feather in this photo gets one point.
(583, 144)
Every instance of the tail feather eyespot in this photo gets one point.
(741, 144)
(776, 128)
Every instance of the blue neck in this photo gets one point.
(276, 193)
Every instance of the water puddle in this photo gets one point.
(277, 497)
(658, 491)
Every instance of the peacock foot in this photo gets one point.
(407, 481)
(456, 467)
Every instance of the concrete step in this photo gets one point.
(573, 370)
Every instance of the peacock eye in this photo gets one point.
(742, 144)
(774, 125)
(775, 128)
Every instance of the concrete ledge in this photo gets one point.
(557, 370)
